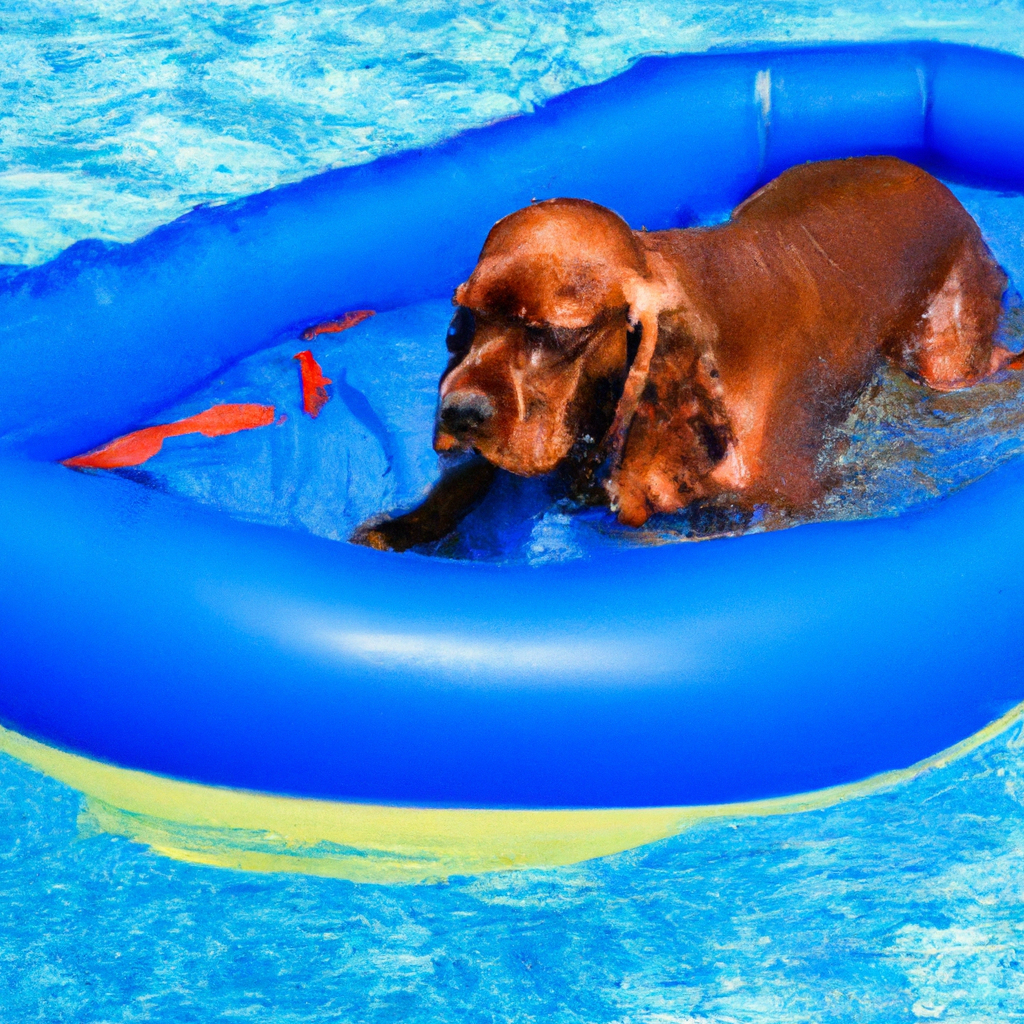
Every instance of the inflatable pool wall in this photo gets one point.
(104, 336)
(155, 635)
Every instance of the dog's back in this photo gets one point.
(694, 363)
(797, 296)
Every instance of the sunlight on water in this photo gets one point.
(907, 905)
(118, 115)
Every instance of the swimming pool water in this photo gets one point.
(115, 116)
(118, 115)
(907, 905)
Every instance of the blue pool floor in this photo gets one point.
(907, 905)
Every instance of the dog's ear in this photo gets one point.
(634, 335)
(679, 432)
(646, 298)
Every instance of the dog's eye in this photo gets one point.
(548, 339)
(537, 337)
(559, 343)
(461, 331)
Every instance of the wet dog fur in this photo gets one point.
(704, 363)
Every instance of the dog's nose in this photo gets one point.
(463, 411)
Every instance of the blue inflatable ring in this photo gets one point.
(144, 632)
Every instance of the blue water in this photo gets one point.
(116, 116)
(903, 906)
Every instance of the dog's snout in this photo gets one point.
(465, 411)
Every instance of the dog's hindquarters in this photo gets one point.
(817, 277)
(951, 344)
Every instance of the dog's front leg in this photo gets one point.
(452, 498)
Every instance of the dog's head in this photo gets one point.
(543, 336)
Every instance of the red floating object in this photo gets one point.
(135, 448)
(343, 323)
(314, 383)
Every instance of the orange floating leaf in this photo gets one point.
(314, 383)
(135, 448)
(342, 323)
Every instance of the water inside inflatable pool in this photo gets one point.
(369, 450)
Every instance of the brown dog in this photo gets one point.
(694, 363)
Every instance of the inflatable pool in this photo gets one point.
(194, 674)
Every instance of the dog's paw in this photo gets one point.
(375, 534)
(371, 539)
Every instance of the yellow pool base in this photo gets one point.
(387, 844)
